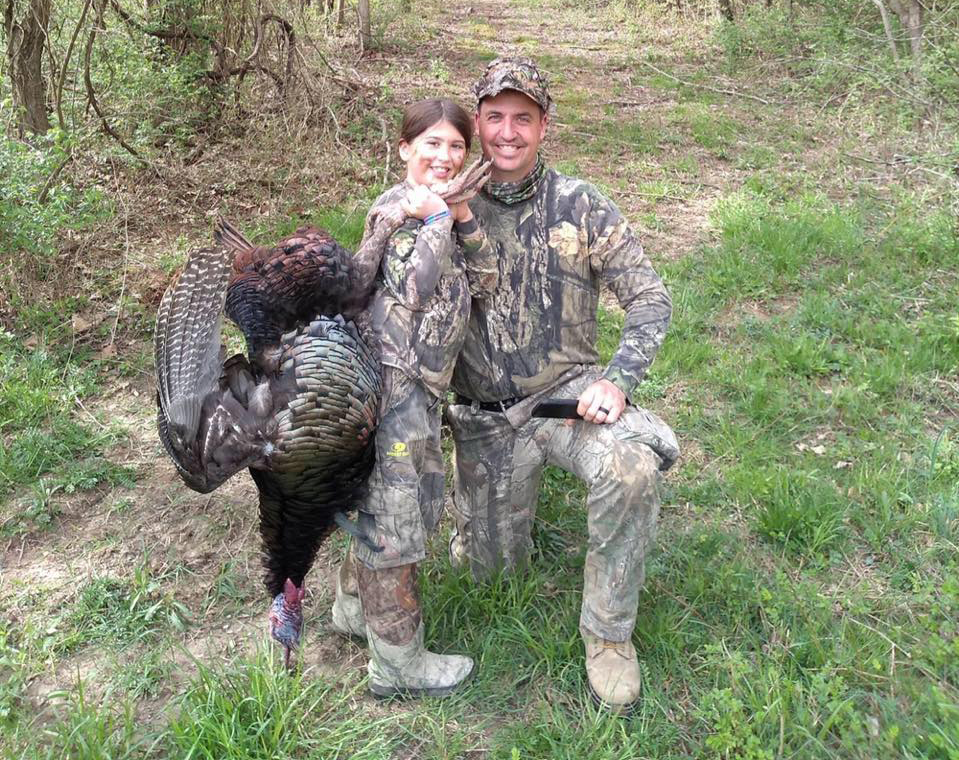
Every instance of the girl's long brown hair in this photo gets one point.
(418, 117)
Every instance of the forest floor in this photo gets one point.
(802, 601)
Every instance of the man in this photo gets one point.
(558, 241)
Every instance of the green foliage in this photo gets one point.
(14, 677)
(829, 47)
(228, 590)
(146, 676)
(28, 226)
(87, 731)
(765, 245)
(37, 399)
(255, 709)
(797, 510)
(944, 458)
(731, 727)
(42, 434)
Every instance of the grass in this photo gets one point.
(48, 447)
(802, 599)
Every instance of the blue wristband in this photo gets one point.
(436, 217)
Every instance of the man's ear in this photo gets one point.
(544, 125)
(404, 150)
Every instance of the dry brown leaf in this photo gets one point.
(79, 324)
(107, 352)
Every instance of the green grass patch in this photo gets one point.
(42, 432)
(120, 612)
(638, 136)
(255, 709)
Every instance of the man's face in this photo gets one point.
(510, 127)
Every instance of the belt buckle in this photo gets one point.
(474, 407)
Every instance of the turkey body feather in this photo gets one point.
(299, 411)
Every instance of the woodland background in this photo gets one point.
(793, 167)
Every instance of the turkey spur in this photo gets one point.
(300, 410)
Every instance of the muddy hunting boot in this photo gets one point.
(347, 610)
(613, 672)
(400, 665)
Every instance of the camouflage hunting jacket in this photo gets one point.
(423, 289)
(557, 241)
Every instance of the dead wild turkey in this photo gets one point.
(300, 410)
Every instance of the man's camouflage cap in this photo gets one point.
(518, 74)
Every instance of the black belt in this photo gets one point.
(556, 408)
(490, 406)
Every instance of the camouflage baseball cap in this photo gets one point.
(518, 74)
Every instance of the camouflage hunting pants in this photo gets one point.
(497, 476)
(405, 492)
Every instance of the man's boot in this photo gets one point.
(613, 672)
(399, 663)
(347, 610)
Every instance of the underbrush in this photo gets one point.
(38, 207)
(841, 51)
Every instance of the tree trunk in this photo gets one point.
(887, 27)
(363, 10)
(25, 41)
(909, 13)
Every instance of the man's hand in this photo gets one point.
(601, 403)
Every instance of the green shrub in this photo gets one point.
(31, 225)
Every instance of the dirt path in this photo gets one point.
(599, 85)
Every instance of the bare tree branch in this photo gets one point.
(91, 94)
(58, 93)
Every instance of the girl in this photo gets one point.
(431, 268)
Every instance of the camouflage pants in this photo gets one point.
(405, 496)
(497, 476)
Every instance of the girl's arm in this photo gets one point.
(416, 256)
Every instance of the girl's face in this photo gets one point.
(435, 155)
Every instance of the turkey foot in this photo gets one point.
(466, 184)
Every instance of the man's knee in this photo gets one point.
(628, 469)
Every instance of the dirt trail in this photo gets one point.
(188, 541)
(594, 63)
